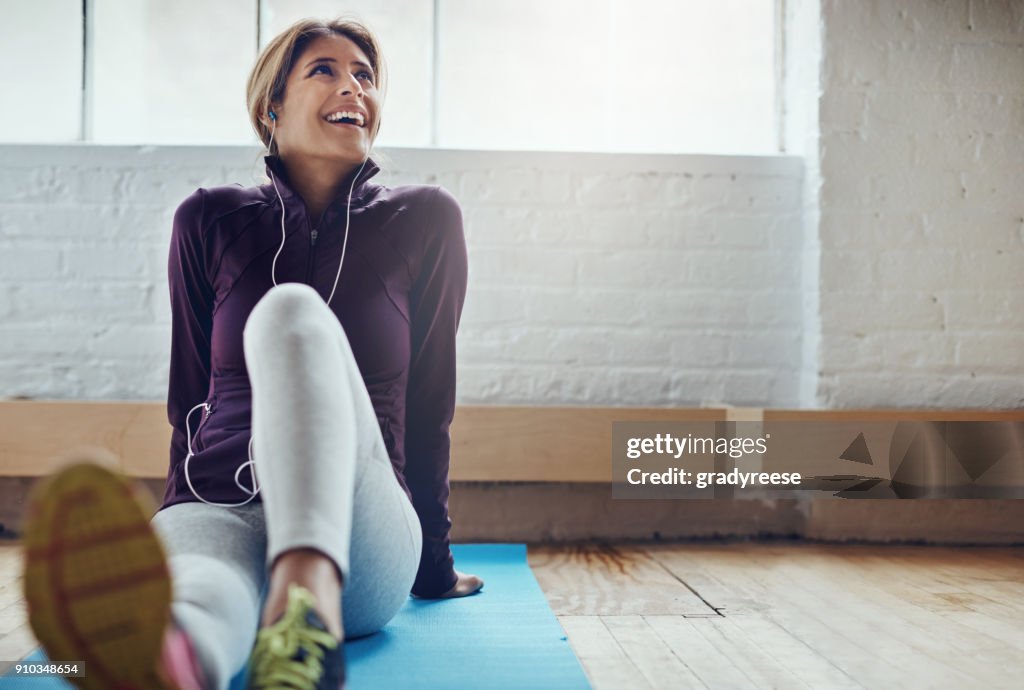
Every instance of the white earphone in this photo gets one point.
(252, 463)
(348, 209)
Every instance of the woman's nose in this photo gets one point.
(351, 85)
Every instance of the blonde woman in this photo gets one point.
(312, 385)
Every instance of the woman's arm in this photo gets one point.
(191, 320)
(436, 300)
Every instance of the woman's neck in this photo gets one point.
(318, 181)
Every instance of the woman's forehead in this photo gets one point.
(341, 48)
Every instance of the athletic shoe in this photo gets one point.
(297, 652)
(179, 662)
(96, 580)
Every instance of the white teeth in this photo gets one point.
(358, 117)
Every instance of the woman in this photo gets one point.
(337, 385)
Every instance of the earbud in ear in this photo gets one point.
(273, 115)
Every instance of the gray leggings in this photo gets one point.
(325, 481)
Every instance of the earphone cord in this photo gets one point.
(251, 464)
(207, 407)
(348, 214)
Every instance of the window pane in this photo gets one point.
(694, 76)
(42, 81)
(608, 75)
(171, 72)
(405, 31)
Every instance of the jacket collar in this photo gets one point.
(276, 171)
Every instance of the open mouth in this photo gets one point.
(346, 119)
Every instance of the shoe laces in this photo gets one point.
(289, 653)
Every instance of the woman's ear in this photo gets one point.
(271, 116)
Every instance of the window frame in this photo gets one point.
(85, 129)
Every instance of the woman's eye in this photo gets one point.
(369, 77)
(326, 67)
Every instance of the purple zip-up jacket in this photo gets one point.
(399, 299)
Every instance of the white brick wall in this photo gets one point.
(594, 279)
(920, 158)
(879, 263)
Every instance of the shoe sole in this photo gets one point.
(96, 579)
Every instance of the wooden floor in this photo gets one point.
(756, 615)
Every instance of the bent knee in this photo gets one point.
(286, 309)
(286, 299)
(364, 613)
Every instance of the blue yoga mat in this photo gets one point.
(504, 638)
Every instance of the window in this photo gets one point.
(41, 81)
(572, 75)
(169, 72)
(608, 75)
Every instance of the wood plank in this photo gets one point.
(17, 644)
(804, 618)
(16, 638)
(812, 579)
(600, 579)
(660, 664)
(722, 597)
(713, 667)
(489, 442)
(607, 666)
(802, 663)
(975, 633)
(542, 443)
(689, 563)
(137, 433)
(990, 577)
(761, 670)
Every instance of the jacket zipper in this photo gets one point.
(312, 251)
(209, 409)
(312, 243)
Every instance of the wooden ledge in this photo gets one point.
(507, 443)
(489, 442)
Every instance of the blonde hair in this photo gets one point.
(270, 73)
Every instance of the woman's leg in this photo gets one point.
(216, 557)
(326, 481)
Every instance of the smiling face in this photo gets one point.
(331, 106)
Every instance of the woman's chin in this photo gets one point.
(344, 155)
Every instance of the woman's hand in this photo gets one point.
(464, 586)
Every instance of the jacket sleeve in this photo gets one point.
(192, 301)
(437, 296)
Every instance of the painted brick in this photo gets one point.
(635, 269)
(80, 301)
(518, 266)
(30, 261)
(555, 307)
(990, 351)
(997, 19)
(988, 67)
(108, 260)
(969, 310)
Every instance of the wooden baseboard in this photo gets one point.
(489, 442)
(512, 443)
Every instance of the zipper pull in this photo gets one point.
(313, 236)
